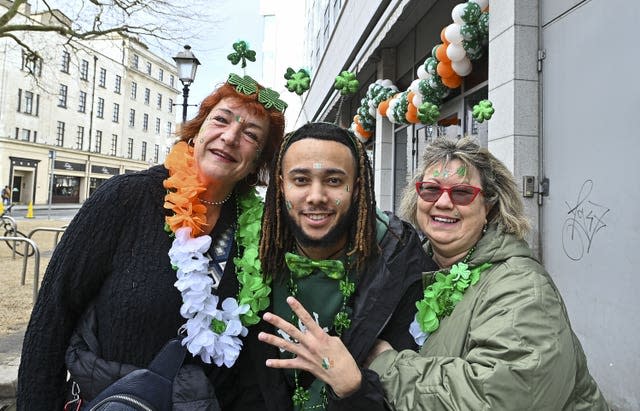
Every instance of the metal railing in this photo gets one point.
(36, 271)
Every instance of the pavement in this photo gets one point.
(11, 343)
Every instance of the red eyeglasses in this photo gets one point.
(460, 194)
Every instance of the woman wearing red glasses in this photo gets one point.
(493, 330)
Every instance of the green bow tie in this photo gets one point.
(303, 266)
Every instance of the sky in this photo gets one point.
(216, 25)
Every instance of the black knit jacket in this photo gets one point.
(114, 252)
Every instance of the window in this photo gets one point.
(135, 60)
(132, 118)
(159, 105)
(170, 105)
(116, 113)
(148, 68)
(145, 122)
(25, 102)
(84, 70)
(114, 144)
(147, 95)
(169, 125)
(82, 102)
(60, 134)
(134, 90)
(143, 152)
(66, 59)
(31, 63)
(157, 125)
(160, 74)
(118, 84)
(100, 111)
(129, 148)
(102, 81)
(98, 146)
(62, 96)
(80, 138)
(156, 153)
(28, 102)
(171, 80)
(26, 134)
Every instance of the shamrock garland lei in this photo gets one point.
(441, 297)
(212, 333)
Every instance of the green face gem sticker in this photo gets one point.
(245, 85)
(346, 188)
(338, 202)
(461, 171)
(317, 165)
(288, 204)
(436, 173)
(239, 119)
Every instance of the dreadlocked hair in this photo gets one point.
(277, 238)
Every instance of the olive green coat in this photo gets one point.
(508, 345)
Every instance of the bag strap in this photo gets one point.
(169, 360)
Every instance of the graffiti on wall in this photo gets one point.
(584, 220)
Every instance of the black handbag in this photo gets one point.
(148, 389)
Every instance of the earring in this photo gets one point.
(254, 183)
(190, 142)
(484, 229)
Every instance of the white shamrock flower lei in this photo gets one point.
(199, 306)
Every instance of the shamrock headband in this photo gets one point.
(268, 98)
(246, 85)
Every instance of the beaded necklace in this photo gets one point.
(341, 322)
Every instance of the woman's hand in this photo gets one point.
(380, 347)
(317, 352)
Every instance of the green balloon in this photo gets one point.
(483, 24)
(434, 50)
(471, 13)
(428, 113)
(431, 64)
(470, 32)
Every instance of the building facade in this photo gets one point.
(80, 112)
(565, 132)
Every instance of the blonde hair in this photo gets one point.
(499, 188)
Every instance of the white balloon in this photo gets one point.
(484, 4)
(421, 72)
(392, 105)
(456, 13)
(452, 33)
(462, 67)
(417, 99)
(415, 86)
(372, 111)
(456, 52)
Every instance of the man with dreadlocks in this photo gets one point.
(326, 247)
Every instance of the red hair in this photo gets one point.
(190, 129)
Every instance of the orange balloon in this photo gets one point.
(364, 133)
(453, 81)
(410, 96)
(382, 108)
(445, 70)
(412, 114)
(442, 37)
(441, 53)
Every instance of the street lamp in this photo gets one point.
(187, 65)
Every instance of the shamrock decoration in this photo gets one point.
(270, 98)
(244, 85)
(428, 113)
(297, 82)
(346, 83)
(483, 111)
(242, 53)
